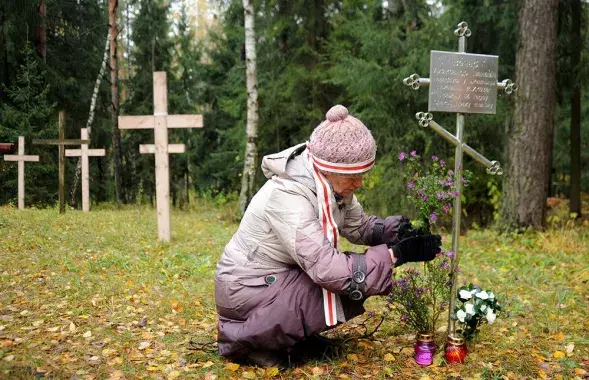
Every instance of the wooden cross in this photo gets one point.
(160, 122)
(84, 152)
(461, 83)
(21, 158)
(61, 143)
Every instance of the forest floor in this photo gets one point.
(87, 296)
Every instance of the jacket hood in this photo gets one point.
(289, 164)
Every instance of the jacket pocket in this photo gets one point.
(254, 281)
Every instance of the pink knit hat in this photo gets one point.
(342, 139)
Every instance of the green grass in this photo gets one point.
(96, 296)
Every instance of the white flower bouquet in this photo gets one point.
(478, 306)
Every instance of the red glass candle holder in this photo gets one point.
(425, 349)
(455, 349)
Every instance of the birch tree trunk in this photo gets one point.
(250, 161)
(76, 183)
(530, 135)
(114, 89)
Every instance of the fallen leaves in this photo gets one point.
(232, 367)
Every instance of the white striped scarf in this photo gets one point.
(326, 204)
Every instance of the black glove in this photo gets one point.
(417, 248)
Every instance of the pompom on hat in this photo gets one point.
(342, 144)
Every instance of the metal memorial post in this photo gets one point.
(462, 83)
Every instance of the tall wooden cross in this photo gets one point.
(461, 83)
(61, 143)
(21, 158)
(160, 122)
(84, 152)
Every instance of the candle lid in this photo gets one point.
(425, 337)
(456, 339)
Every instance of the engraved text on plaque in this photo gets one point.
(462, 82)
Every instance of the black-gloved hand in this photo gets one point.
(417, 248)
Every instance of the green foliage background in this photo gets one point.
(311, 55)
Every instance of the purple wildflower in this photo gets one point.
(442, 163)
(402, 156)
(411, 185)
(463, 180)
(456, 270)
(441, 195)
(446, 208)
(413, 153)
(450, 172)
(445, 265)
(433, 217)
(424, 197)
(449, 254)
(419, 292)
(435, 158)
(459, 166)
(404, 318)
(449, 183)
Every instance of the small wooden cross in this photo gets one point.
(61, 142)
(84, 152)
(160, 122)
(21, 158)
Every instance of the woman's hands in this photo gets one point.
(415, 249)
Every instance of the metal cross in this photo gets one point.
(61, 143)
(461, 83)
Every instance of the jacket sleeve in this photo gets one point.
(293, 219)
(360, 228)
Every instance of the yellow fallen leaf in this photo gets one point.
(87, 334)
(248, 375)
(115, 361)
(317, 371)
(116, 375)
(352, 357)
(108, 352)
(38, 323)
(343, 376)
(210, 376)
(559, 354)
(542, 374)
(232, 367)
(52, 329)
(144, 345)
(580, 371)
(176, 306)
(559, 336)
(72, 327)
(272, 371)
(208, 364)
(8, 358)
(174, 374)
(389, 357)
(570, 348)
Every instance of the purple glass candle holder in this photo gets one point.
(425, 349)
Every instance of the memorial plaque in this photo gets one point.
(462, 82)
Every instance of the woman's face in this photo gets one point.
(344, 185)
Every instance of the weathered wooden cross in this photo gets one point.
(160, 122)
(21, 158)
(84, 152)
(61, 143)
(462, 83)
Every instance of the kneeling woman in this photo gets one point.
(281, 278)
